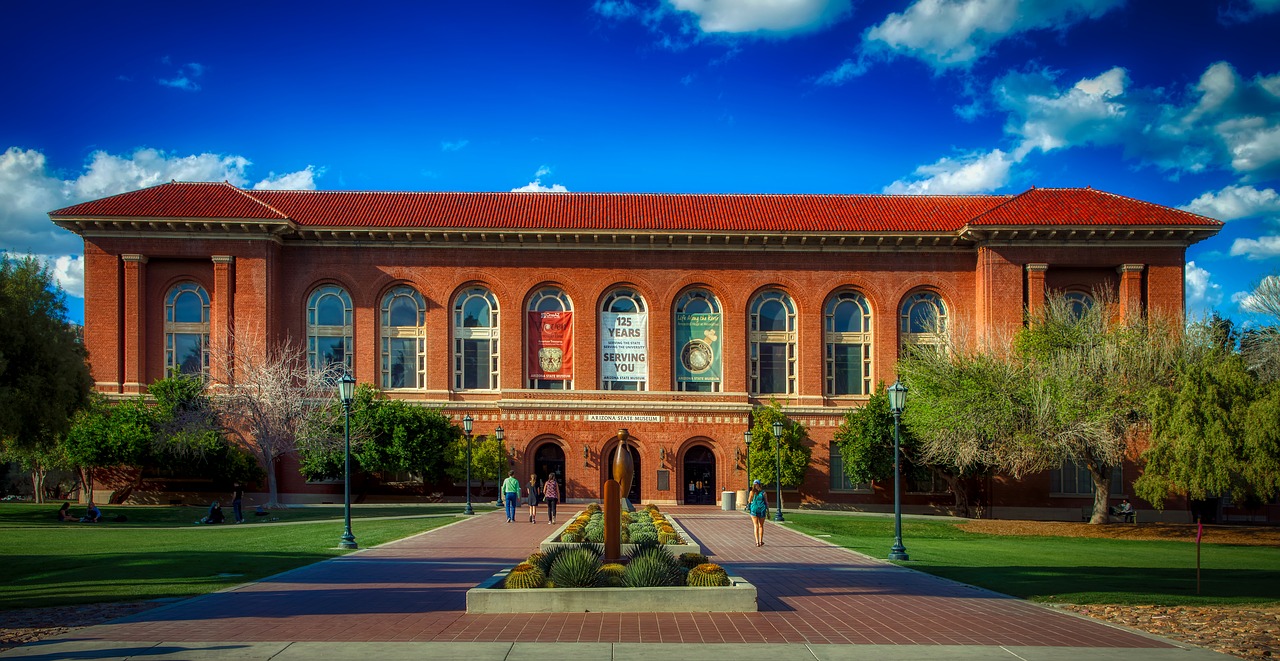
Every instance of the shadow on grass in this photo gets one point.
(1144, 585)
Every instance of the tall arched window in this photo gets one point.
(329, 328)
(923, 321)
(549, 329)
(848, 344)
(624, 341)
(404, 339)
(773, 344)
(698, 363)
(186, 329)
(475, 340)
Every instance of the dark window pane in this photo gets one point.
(187, 353)
(773, 316)
(848, 369)
(188, 308)
(475, 364)
(330, 311)
(404, 312)
(773, 367)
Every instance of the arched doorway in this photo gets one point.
(699, 476)
(634, 494)
(548, 459)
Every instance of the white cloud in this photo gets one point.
(185, 78)
(1202, 293)
(1222, 122)
(542, 171)
(955, 33)
(536, 186)
(304, 179)
(1263, 247)
(454, 145)
(846, 71)
(1235, 202)
(1241, 11)
(972, 173)
(777, 16)
(29, 191)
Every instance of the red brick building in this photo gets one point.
(562, 317)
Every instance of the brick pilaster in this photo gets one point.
(135, 323)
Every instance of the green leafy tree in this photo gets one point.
(44, 378)
(110, 434)
(1213, 432)
(489, 459)
(865, 440)
(795, 453)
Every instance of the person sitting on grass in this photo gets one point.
(92, 514)
(215, 514)
(64, 513)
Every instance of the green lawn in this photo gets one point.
(160, 553)
(1065, 569)
(149, 516)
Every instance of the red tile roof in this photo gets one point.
(637, 211)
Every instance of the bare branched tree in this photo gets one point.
(263, 396)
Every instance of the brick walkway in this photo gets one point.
(809, 592)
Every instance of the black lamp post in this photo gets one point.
(777, 439)
(347, 391)
(897, 401)
(746, 438)
(466, 429)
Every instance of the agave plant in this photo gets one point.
(576, 568)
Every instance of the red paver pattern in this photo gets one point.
(809, 592)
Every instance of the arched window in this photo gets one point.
(404, 339)
(773, 344)
(624, 341)
(923, 321)
(549, 330)
(329, 328)
(698, 363)
(475, 340)
(186, 329)
(848, 344)
(1080, 303)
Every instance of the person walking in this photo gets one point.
(551, 494)
(510, 494)
(237, 499)
(531, 493)
(758, 508)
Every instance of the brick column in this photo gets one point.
(221, 313)
(135, 323)
(1130, 290)
(1035, 289)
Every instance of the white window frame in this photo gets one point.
(834, 338)
(416, 332)
(174, 327)
(937, 337)
(785, 337)
(463, 334)
(315, 330)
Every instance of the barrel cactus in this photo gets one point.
(707, 575)
(692, 560)
(611, 575)
(524, 576)
(576, 568)
(572, 536)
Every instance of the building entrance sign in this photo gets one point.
(623, 418)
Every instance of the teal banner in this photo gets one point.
(698, 344)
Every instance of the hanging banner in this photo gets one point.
(551, 345)
(698, 344)
(624, 346)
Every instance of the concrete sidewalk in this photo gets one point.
(407, 600)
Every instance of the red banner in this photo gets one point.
(551, 345)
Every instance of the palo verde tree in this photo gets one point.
(1074, 387)
(490, 459)
(795, 452)
(44, 378)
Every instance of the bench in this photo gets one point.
(1113, 514)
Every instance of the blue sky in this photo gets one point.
(1172, 101)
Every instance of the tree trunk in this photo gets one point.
(273, 494)
(957, 490)
(1101, 494)
(38, 474)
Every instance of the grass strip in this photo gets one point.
(63, 564)
(1078, 570)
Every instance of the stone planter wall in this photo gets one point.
(491, 597)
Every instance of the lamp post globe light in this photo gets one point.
(466, 429)
(897, 401)
(746, 438)
(346, 392)
(777, 439)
